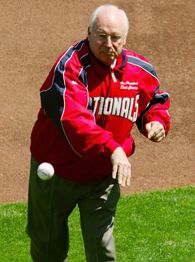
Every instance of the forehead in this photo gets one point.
(109, 22)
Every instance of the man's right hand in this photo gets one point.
(121, 168)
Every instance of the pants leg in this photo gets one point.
(97, 212)
(49, 205)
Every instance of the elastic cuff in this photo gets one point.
(110, 146)
(129, 146)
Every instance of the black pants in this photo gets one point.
(51, 202)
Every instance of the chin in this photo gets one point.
(108, 61)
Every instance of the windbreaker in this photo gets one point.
(88, 109)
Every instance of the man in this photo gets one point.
(90, 100)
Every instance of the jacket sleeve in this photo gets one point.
(65, 101)
(154, 105)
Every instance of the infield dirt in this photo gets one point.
(34, 33)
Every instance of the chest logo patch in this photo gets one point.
(127, 85)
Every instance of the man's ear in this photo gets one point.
(88, 33)
(125, 39)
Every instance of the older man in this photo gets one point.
(90, 100)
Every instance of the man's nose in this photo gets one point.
(108, 41)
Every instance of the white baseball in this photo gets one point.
(45, 171)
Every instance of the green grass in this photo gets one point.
(154, 226)
(157, 227)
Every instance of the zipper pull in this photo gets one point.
(113, 77)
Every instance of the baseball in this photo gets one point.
(45, 171)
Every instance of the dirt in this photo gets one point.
(34, 33)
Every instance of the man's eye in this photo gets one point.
(102, 36)
(115, 38)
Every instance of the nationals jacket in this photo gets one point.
(88, 109)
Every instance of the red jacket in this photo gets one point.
(88, 109)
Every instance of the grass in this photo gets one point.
(153, 226)
(157, 227)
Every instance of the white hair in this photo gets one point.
(100, 8)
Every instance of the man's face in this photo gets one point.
(107, 38)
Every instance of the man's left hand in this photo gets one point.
(155, 131)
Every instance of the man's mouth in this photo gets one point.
(109, 53)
